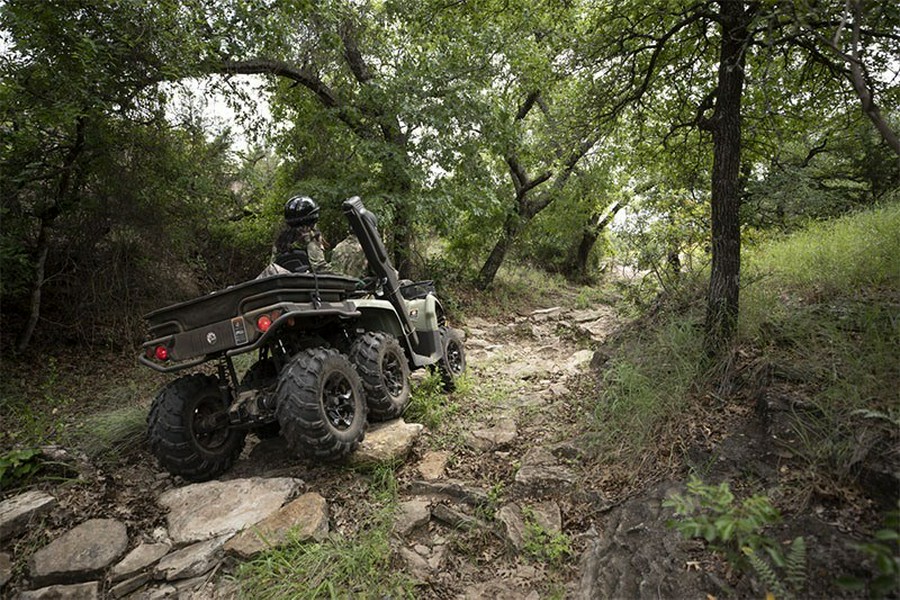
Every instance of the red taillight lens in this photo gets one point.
(263, 323)
(162, 353)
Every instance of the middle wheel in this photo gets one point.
(320, 404)
(382, 365)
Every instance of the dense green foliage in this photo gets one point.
(477, 131)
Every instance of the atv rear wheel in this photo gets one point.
(320, 404)
(189, 430)
(384, 370)
(453, 360)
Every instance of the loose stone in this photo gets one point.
(304, 519)
(80, 554)
(17, 512)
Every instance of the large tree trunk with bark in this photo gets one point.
(402, 225)
(43, 249)
(724, 284)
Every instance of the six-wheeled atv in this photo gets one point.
(328, 358)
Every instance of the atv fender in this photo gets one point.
(380, 315)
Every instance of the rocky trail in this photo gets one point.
(499, 501)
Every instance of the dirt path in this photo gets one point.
(515, 445)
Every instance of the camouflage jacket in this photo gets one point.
(349, 259)
(309, 239)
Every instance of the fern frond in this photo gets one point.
(795, 565)
(767, 575)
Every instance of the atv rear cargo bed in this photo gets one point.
(245, 297)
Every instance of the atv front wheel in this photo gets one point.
(189, 430)
(320, 404)
(382, 365)
(453, 361)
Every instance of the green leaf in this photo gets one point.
(851, 583)
(887, 535)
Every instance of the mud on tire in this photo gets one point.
(384, 370)
(320, 404)
(188, 429)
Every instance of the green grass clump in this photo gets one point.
(518, 288)
(544, 545)
(822, 303)
(110, 434)
(430, 405)
(835, 257)
(339, 567)
(647, 382)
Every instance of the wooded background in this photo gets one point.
(479, 131)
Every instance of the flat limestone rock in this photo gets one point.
(579, 360)
(137, 560)
(433, 464)
(418, 567)
(207, 510)
(590, 315)
(17, 512)
(81, 554)
(541, 470)
(386, 442)
(454, 518)
(6, 567)
(546, 515)
(304, 519)
(80, 591)
(491, 438)
(450, 488)
(638, 556)
(191, 561)
(410, 515)
(124, 588)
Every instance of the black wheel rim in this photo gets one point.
(339, 401)
(210, 424)
(454, 358)
(392, 375)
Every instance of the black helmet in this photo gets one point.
(301, 210)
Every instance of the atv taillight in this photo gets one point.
(263, 323)
(161, 353)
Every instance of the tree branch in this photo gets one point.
(302, 75)
(526, 106)
(855, 72)
(354, 57)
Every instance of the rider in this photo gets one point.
(300, 243)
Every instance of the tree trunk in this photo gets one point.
(47, 216)
(43, 249)
(63, 193)
(399, 187)
(489, 270)
(528, 205)
(577, 268)
(723, 295)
